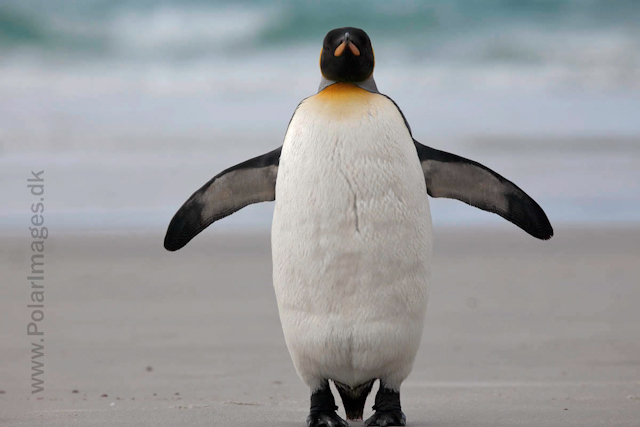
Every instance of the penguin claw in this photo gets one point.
(325, 419)
(387, 418)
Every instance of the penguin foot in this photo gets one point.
(326, 419)
(388, 409)
(387, 418)
(323, 409)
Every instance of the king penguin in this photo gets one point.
(351, 234)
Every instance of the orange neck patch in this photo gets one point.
(342, 92)
(343, 100)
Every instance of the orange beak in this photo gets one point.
(352, 47)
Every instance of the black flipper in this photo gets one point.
(455, 177)
(249, 182)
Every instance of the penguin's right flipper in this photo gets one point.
(252, 181)
(455, 177)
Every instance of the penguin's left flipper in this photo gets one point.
(455, 177)
(252, 181)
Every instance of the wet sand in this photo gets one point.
(519, 332)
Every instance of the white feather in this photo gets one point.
(351, 241)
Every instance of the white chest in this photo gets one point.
(351, 233)
(351, 166)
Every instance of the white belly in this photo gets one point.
(351, 242)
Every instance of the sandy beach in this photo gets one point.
(519, 333)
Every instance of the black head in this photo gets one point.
(347, 55)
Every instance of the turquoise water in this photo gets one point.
(597, 39)
(100, 27)
(132, 105)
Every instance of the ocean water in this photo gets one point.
(129, 106)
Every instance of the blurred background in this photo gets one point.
(130, 106)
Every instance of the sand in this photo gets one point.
(519, 332)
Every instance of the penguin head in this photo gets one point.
(347, 55)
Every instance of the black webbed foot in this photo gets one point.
(323, 409)
(388, 409)
(387, 418)
(326, 419)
